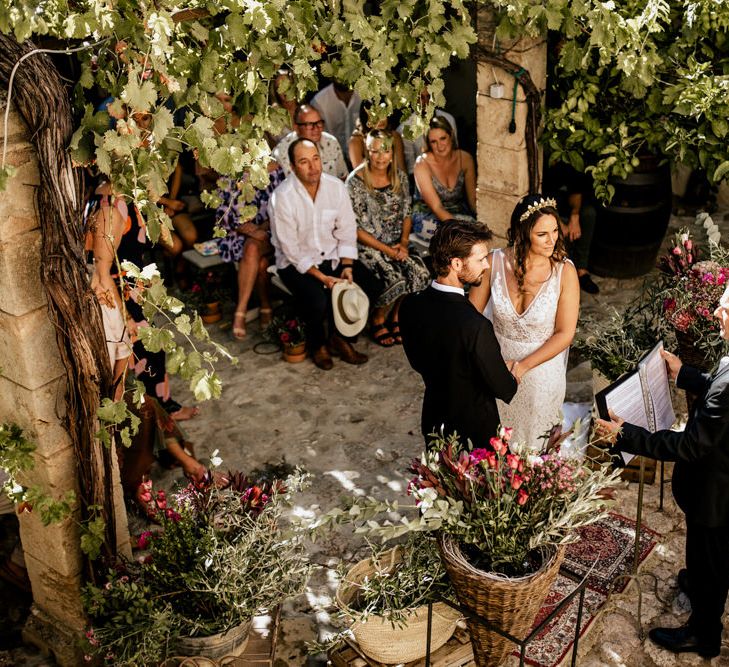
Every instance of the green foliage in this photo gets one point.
(399, 585)
(16, 458)
(631, 77)
(615, 346)
(190, 362)
(225, 551)
(156, 59)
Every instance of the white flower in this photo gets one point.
(714, 237)
(215, 460)
(427, 497)
(684, 238)
(534, 460)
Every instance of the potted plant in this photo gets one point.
(206, 296)
(289, 331)
(615, 346)
(224, 552)
(502, 517)
(691, 289)
(385, 599)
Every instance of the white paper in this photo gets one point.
(644, 398)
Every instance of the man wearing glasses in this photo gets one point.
(309, 125)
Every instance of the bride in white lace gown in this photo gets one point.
(531, 294)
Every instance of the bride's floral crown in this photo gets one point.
(537, 205)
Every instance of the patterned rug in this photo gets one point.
(611, 541)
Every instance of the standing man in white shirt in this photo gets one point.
(314, 234)
(308, 124)
(339, 107)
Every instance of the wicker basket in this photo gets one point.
(376, 637)
(510, 604)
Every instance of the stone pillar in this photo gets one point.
(33, 395)
(503, 176)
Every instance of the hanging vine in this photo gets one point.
(43, 102)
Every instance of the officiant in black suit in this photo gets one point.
(451, 344)
(701, 489)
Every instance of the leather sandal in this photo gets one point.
(381, 334)
(395, 332)
(239, 324)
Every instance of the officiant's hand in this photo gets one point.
(607, 431)
(673, 363)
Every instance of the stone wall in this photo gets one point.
(33, 395)
(503, 176)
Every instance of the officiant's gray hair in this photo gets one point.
(455, 238)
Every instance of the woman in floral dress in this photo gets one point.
(248, 242)
(381, 201)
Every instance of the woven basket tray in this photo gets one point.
(510, 604)
(377, 638)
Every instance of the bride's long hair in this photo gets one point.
(526, 213)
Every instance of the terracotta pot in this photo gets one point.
(211, 312)
(222, 644)
(294, 353)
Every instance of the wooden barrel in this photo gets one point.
(629, 231)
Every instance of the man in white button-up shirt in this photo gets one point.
(314, 234)
(339, 107)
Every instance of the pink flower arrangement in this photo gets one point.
(503, 501)
(288, 330)
(691, 290)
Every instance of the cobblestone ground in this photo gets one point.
(355, 429)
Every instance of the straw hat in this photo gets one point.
(351, 308)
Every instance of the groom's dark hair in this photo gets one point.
(455, 238)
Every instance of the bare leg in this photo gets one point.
(262, 289)
(247, 273)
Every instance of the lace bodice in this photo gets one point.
(536, 324)
(538, 400)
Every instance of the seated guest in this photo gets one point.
(339, 107)
(309, 125)
(381, 202)
(248, 242)
(357, 148)
(185, 234)
(445, 177)
(414, 148)
(117, 233)
(283, 96)
(314, 234)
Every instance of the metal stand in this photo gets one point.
(521, 643)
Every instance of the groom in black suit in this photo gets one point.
(451, 344)
(701, 489)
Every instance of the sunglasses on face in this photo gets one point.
(312, 125)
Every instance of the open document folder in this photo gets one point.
(641, 397)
